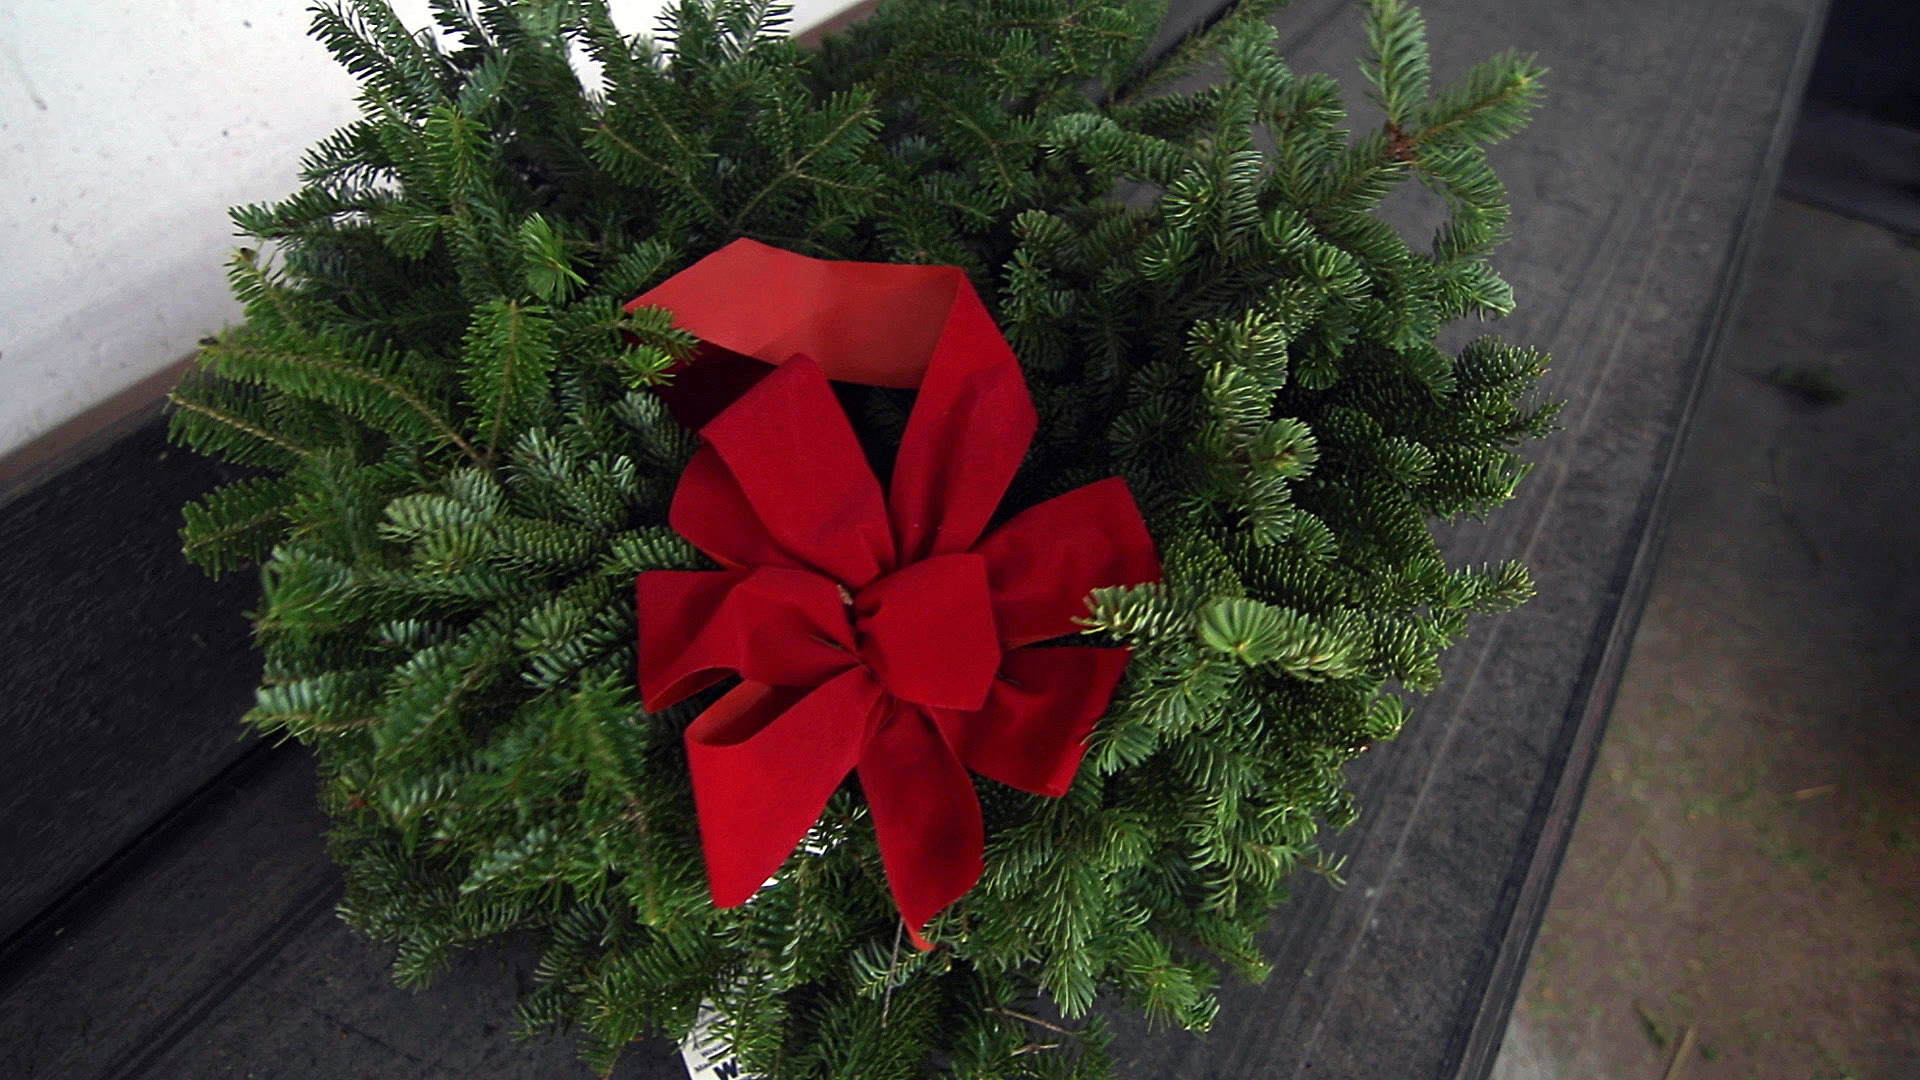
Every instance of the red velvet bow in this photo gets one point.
(873, 633)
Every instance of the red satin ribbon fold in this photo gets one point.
(877, 634)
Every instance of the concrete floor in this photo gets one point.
(1742, 894)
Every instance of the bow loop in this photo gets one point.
(789, 451)
(968, 433)
(769, 625)
(764, 760)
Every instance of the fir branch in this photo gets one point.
(857, 113)
(508, 357)
(1027, 1019)
(456, 18)
(690, 186)
(352, 152)
(368, 40)
(1396, 63)
(1489, 103)
(1008, 177)
(335, 381)
(179, 399)
(549, 272)
(1198, 47)
(236, 524)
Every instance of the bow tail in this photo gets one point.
(925, 815)
(764, 760)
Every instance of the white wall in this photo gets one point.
(126, 130)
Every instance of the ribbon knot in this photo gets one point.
(927, 632)
(872, 633)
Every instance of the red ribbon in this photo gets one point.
(877, 633)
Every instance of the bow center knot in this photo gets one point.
(927, 632)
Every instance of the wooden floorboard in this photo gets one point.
(220, 955)
(211, 951)
(122, 667)
(128, 972)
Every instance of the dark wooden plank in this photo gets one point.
(323, 1005)
(1855, 165)
(123, 666)
(219, 954)
(1560, 798)
(1633, 194)
(190, 910)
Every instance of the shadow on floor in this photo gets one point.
(1742, 895)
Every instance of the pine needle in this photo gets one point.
(1677, 1067)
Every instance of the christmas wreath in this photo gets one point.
(865, 548)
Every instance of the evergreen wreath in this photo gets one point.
(463, 466)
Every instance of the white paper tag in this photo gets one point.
(706, 1056)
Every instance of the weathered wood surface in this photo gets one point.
(212, 950)
(220, 956)
(121, 666)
